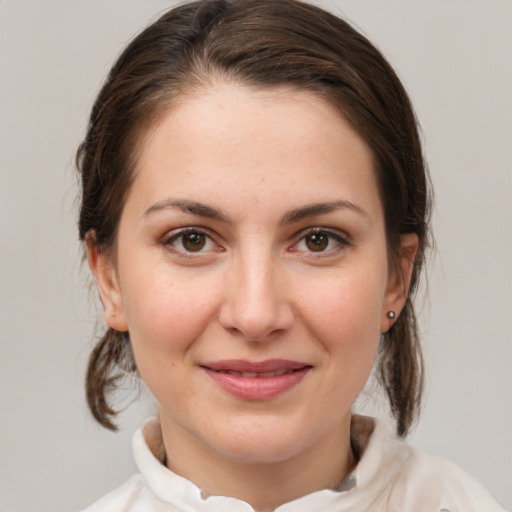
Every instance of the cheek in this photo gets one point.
(343, 317)
(166, 314)
(345, 310)
(347, 324)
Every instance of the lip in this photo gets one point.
(256, 380)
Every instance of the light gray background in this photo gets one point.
(455, 59)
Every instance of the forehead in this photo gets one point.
(229, 139)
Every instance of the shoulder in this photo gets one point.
(428, 483)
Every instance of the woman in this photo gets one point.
(255, 211)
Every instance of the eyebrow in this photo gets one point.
(293, 216)
(192, 207)
(319, 209)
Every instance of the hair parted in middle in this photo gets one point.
(259, 44)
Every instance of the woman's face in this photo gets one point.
(252, 272)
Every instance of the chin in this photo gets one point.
(259, 453)
(264, 444)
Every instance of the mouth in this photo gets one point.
(255, 369)
(256, 380)
(256, 375)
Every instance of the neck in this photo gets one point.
(264, 485)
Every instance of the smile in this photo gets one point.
(259, 375)
(256, 380)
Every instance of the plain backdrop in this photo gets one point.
(455, 59)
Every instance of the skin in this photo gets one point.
(258, 289)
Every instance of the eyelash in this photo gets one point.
(174, 238)
(341, 242)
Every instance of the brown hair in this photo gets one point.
(260, 43)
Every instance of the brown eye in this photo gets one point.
(317, 242)
(190, 242)
(193, 241)
(320, 242)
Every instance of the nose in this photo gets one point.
(255, 304)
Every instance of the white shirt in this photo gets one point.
(390, 476)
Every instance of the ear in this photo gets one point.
(105, 275)
(399, 280)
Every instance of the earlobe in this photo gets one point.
(399, 281)
(107, 283)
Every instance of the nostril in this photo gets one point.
(254, 306)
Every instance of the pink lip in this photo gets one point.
(247, 379)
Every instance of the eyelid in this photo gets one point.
(171, 236)
(342, 238)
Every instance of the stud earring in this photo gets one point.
(391, 314)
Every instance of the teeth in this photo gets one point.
(267, 374)
(261, 375)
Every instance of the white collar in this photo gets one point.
(368, 438)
